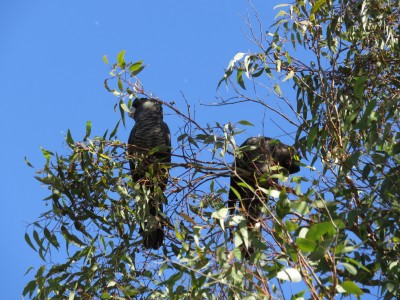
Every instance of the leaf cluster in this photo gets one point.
(336, 233)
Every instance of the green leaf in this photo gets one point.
(192, 141)
(300, 206)
(280, 14)
(29, 242)
(125, 107)
(237, 275)
(257, 72)
(357, 263)
(245, 123)
(30, 288)
(292, 37)
(105, 59)
(350, 268)
(29, 269)
(278, 89)
(283, 206)
(120, 85)
(46, 153)
(237, 194)
(312, 136)
(136, 66)
(306, 245)
(352, 160)
(289, 59)
(188, 218)
(352, 288)
(237, 253)
(162, 269)
(88, 129)
(37, 239)
(224, 78)
(71, 237)
(317, 5)
(28, 163)
(120, 59)
(244, 235)
(344, 249)
(106, 86)
(112, 134)
(291, 226)
(239, 79)
(359, 86)
(183, 136)
(317, 231)
(70, 140)
(122, 110)
(364, 123)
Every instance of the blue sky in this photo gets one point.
(52, 80)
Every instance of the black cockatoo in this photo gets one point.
(150, 133)
(259, 156)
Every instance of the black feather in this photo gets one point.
(258, 156)
(150, 144)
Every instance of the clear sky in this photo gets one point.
(52, 80)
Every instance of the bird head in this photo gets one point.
(145, 107)
(286, 156)
(262, 150)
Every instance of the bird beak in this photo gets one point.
(132, 112)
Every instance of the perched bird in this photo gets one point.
(149, 148)
(259, 158)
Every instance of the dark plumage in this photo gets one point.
(150, 132)
(259, 155)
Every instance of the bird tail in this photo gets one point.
(153, 231)
(253, 223)
(254, 232)
(153, 239)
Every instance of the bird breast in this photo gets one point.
(149, 135)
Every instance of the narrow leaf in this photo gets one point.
(239, 79)
(317, 5)
(187, 218)
(136, 66)
(70, 140)
(306, 245)
(359, 86)
(350, 268)
(28, 163)
(112, 134)
(246, 123)
(120, 85)
(352, 288)
(278, 89)
(120, 58)
(88, 129)
(29, 242)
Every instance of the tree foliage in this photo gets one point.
(337, 235)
